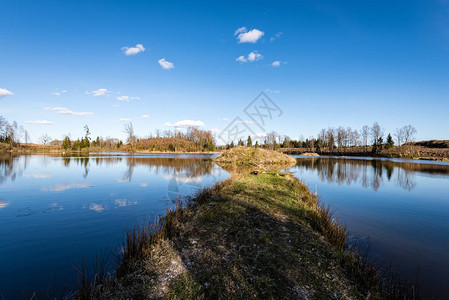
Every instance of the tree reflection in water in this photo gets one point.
(369, 173)
(12, 166)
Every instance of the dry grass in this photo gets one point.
(247, 155)
(262, 236)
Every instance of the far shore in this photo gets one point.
(405, 152)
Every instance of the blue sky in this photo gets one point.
(348, 63)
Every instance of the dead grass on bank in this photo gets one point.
(251, 236)
(247, 156)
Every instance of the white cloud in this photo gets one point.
(245, 36)
(252, 57)
(133, 50)
(240, 30)
(241, 59)
(127, 98)
(145, 116)
(223, 119)
(124, 120)
(40, 122)
(5, 92)
(185, 124)
(276, 36)
(99, 92)
(66, 111)
(123, 98)
(59, 93)
(166, 65)
(277, 63)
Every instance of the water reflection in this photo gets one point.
(400, 206)
(190, 168)
(369, 173)
(56, 210)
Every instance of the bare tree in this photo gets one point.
(376, 133)
(365, 135)
(409, 133)
(27, 137)
(271, 139)
(341, 133)
(399, 135)
(131, 138)
(44, 139)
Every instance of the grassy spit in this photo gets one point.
(251, 236)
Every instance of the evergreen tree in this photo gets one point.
(66, 143)
(390, 142)
(249, 143)
(256, 144)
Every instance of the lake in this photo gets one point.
(56, 211)
(400, 207)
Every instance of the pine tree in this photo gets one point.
(249, 143)
(390, 142)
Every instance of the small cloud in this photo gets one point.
(144, 184)
(40, 122)
(5, 92)
(252, 57)
(99, 92)
(241, 59)
(185, 124)
(127, 98)
(133, 50)
(276, 36)
(240, 30)
(66, 111)
(123, 98)
(59, 93)
(277, 63)
(144, 116)
(166, 65)
(245, 36)
(223, 119)
(124, 120)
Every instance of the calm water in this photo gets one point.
(56, 211)
(401, 207)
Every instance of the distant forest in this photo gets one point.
(369, 138)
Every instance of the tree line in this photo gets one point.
(193, 139)
(368, 138)
(12, 133)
